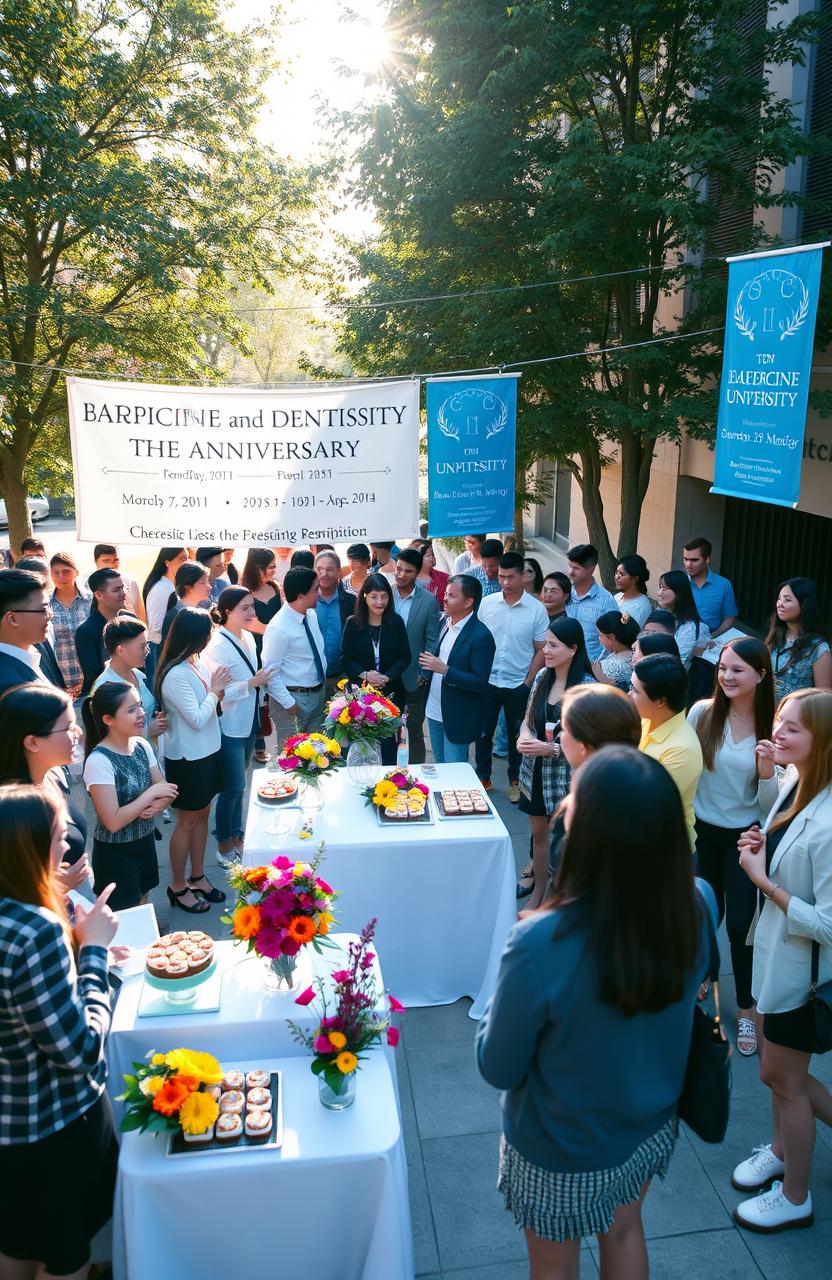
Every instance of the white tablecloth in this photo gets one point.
(444, 894)
(332, 1203)
(250, 1019)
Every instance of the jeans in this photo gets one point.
(717, 862)
(501, 736)
(235, 757)
(445, 751)
(513, 701)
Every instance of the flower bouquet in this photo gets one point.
(359, 713)
(308, 756)
(352, 1026)
(398, 794)
(280, 909)
(169, 1092)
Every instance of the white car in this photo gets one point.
(38, 510)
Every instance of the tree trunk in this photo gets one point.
(519, 535)
(593, 505)
(636, 456)
(13, 487)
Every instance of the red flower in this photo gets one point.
(323, 886)
(395, 1005)
(306, 997)
(393, 1035)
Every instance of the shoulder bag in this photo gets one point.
(265, 725)
(701, 677)
(706, 1093)
(820, 999)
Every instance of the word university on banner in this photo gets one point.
(472, 427)
(769, 332)
(230, 466)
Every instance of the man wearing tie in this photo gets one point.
(460, 668)
(294, 648)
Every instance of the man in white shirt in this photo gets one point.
(460, 666)
(518, 623)
(294, 648)
(25, 610)
(589, 599)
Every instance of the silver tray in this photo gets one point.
(177, 1147)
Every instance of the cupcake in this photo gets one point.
(233, 1080)
(258, 1098)
(214, 1091)
(232, 1100)
(228, 1127)
(199, 1139)
(179, 936)
(257, 1080)
(258, 1124)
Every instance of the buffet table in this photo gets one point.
(332, 1202)
(249, 1017)
(444, 894)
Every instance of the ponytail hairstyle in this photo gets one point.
(710, 727)
(635, 567)
(106, 701)
(31, 708)
(27, 816)
(189, 633)
(160, 567)
(620, 625)
(226, 602)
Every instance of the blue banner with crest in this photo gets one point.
(763, 395)
(472, 427)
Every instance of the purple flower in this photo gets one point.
(268, 943)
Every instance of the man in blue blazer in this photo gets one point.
(419, 611)
(461, 667)
(25, 653)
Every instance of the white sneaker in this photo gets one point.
(228, 860)
(756, 1173)
(773, 1212)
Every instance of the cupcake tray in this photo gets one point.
(177, 1146)
(453, 817)
(424, 820)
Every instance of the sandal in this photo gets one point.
(174, 900)
(211, 895)
(746, 1037)
(261, 757)
(704, 991)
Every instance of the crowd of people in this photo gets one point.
(641, 741)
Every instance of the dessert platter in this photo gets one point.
(464, 802)
(177, 963)
(279, 788)
(408, 807)
(251, 1115)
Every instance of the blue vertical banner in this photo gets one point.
(763, 396)
(472, 432)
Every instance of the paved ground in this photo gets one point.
(452, 1123)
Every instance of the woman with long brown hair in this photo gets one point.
(57, 1148)
(589, 1027)
(258, 576)
(737, 788)
(790, 863)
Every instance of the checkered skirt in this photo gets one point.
(571, 1206)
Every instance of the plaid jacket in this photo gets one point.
(65, 622)
(53, 1025)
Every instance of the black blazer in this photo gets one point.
(465, 683)
(90, 647)
(394, 659)
(14, 671)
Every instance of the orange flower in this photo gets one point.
(191, 1083)
(256, 876)
(171, 1096)
(324, 921)
(246, 922)
(301, 928)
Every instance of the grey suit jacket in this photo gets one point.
(802, 864)
(422, 630)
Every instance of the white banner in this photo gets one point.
(228, 466)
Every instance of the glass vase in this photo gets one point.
(363, 763)
(337, 1099)
(311, 799)
(280, 973)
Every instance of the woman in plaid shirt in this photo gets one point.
(57, 1147)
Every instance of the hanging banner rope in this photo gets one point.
(471, 453)
(228, 466)
(763, 396)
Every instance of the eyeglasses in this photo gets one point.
(74, 729)
(45, 610)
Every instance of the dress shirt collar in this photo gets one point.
(588, 595)
(663, 731)
(454, 628)
(30, 656)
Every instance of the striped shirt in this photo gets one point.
(53, 1025)
(490, 586)
(66, 619)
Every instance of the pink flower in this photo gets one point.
(306, 997)
(282, 862)
(396, 1005)
(289, 947)
(341, 975)
(322, 1044)
(399, 780)
(268, 943)
(370, 716)
(420, 786)
(332, 1024)
(393, 1036)
(306, 903)
(356, 710)
(323, 886)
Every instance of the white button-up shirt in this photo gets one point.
(286, 648)
(433, 710)
(516, 629)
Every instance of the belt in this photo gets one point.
(303, 688)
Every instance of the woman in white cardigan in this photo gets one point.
(790, 862)
(232, 646)
(191, 696)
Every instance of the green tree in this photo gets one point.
(543, 140)
(130, 182)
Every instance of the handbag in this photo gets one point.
(264, 720)
(820, 1000)
(705, 1098)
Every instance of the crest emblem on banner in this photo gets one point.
(472, 413)
(775, 302)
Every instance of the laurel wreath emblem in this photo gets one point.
(797, 318)
(742, 321)
(787, 327)
(451, 429)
